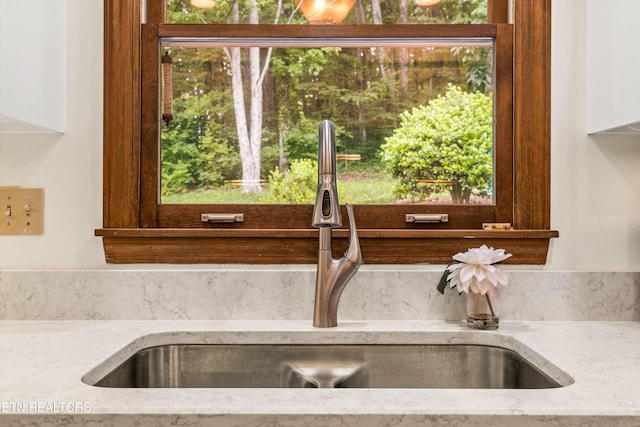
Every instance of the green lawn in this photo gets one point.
(367, 190)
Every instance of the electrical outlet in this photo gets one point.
(21, 211)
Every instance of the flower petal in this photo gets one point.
(466, 273)
(475, 272)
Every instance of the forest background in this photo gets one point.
(244, 126)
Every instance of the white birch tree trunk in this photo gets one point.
(246, 151)
(249, 132)
(251, 182)
(237, 86)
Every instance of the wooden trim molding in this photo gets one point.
(152, 213)
(532, 114)
(189, 246)
(121, 130)
(498, 11)
(325, 31)
(130, 237)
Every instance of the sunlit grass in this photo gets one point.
(222, 195)
(356, 190)
(366, 191)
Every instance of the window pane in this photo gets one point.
(414, 120)
(360, 12)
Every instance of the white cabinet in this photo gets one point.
(613, 61)
(32, 65)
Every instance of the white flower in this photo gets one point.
(475, 271)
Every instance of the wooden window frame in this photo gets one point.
(154, 214)
(135, 229)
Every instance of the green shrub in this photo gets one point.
(297, 185)
(176, 177)
(449, 139)
(220, 161)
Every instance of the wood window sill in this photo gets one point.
(299, 246)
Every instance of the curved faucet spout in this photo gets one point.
(333, 274)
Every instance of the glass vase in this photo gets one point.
(483, 311)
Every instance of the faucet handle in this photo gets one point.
(353, 253)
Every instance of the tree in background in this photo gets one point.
(247, 79)
(252, 110)
(450, 139)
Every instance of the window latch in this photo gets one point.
(426, 218)
(211, 218)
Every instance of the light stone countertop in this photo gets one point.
(42, 363)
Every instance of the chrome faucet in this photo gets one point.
(333, 274)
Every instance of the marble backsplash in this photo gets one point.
(263, 292)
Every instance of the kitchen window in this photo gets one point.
(142, 223)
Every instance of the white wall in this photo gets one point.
(595, 191)
(68, 166)
(595, 180)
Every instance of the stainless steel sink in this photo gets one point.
(327, 366)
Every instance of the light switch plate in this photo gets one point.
(21, 211)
